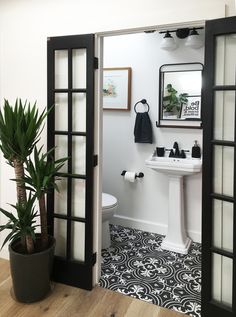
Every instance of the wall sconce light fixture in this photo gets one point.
(168, 43)
(193, 38)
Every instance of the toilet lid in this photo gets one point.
(108, 201)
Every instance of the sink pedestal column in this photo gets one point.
(176, 239)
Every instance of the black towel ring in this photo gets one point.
(144, 102)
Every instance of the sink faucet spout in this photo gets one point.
(175, 145)
(176, 152)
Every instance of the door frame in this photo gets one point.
(67, 261)
(211, 304)
(98, 121)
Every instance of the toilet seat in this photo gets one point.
(108, 201)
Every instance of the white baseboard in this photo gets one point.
(149, 226)
(139, 224)
(196, 236)
(4, 254)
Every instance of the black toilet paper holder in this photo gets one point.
(139, 175)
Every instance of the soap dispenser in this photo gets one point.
(196, 151)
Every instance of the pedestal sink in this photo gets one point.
(176, 239)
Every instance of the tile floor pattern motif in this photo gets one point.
(136, 265)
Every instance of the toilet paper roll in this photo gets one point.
(130, 176)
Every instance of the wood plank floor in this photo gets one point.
(67, 301)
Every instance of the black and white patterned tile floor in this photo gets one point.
(136, 265)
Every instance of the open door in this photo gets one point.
(219, 170)
(71, 65)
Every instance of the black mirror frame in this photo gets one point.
(176, 123)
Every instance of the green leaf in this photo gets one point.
(20, 128)
(23, 223)
(7, 214)
(8, 238)
(40, 173)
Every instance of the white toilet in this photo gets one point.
(109, 206)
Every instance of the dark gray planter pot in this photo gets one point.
(31, 272)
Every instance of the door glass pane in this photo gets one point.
(223, 157)
(61, 150)
(60, 199)
(225, 61)
(61, 112)
(78, 198)
(222, 279)
(79, 112)
(61, 69)
(78, 240)
(224, 114)
(79, 155)
(223, 225)
(60, 236)
(79, 67)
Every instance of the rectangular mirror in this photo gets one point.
(180, 89)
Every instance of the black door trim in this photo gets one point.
(67, 270)
(210, 307)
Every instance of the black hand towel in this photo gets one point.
(142, 128)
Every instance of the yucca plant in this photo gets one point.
(35, 175)
(22, 226)
(20, 128)
(40, 178)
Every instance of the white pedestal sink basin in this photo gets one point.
(176, 239)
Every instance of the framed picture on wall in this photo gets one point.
(192, 109)
(117, 88)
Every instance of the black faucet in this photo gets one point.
(176, 149)
(175, 152)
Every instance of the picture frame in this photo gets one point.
(191, 110)
(117, 88)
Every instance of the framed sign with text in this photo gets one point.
(192, 109)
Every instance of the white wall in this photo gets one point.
(26, 24)
(145, 202)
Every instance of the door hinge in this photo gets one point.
(95, 160)
(94, 258)
(95, 63)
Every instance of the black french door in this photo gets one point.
(70, 129)
(219, 170)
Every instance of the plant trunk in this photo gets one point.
(21, 199)
(20, 188)
(43, 220)
(29, 244)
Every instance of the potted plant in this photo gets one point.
(172, 103)
(31, 254)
